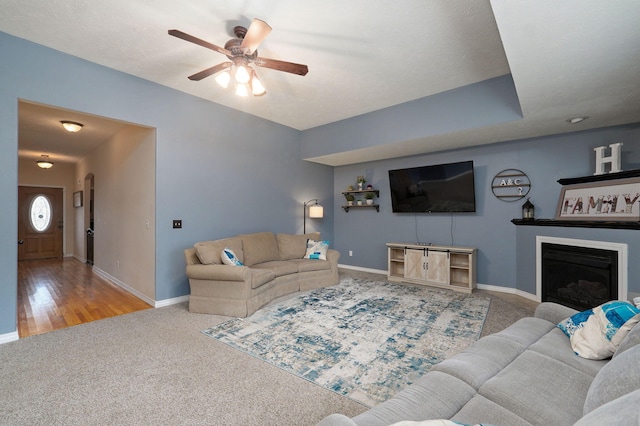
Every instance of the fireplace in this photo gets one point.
(580, 274)
(579, 277)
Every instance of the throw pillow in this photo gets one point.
(229, 257)
(317, 250)
(596, 333)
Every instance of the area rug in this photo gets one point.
(363, 339)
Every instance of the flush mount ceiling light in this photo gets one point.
(71, 126)
(576, 120)
(242, 52)
(44, 163)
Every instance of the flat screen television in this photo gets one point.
(433, 189)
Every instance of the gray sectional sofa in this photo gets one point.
(273, 267)
(526, 374)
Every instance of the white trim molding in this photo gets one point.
(172, 301)
(124, 286)
(9, 337)
(621, 248)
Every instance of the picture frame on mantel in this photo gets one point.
(609, 200)
(77, 199)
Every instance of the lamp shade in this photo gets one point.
(316, 211)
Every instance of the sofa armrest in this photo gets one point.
(333, 256)
(553, 312)
(336, 420)
(219, 272)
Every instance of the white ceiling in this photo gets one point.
(575, 57)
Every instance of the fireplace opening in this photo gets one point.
(578, 277)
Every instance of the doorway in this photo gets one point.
(89, 218)
(40, 222)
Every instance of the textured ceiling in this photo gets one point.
(566, 58)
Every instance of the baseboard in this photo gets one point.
(508, 290)
(358, 268)
(121, 284)
(172, 301)
(480, 286)
(9, 337)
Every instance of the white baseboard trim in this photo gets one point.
(9, 337)
(126, 287)
(172, 301)
(488, 287)
(358, 268)
(80, 259)
(508, 290)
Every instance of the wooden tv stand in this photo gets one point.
(448, 267)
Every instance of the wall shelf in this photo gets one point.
(577, 223)
(357, 192)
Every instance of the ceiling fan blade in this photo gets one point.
(275, 64)
(192, 39)
(256, 33)
(209, 71)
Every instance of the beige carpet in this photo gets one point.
(156, 367)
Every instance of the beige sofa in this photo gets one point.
(273, 266)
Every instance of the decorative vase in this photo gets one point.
(349, 203)
(359, 202)
(369, 201)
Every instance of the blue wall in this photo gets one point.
(219, 170)
(224, 172)
(544, 160)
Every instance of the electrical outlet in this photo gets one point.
(177, 223)
(350, 252)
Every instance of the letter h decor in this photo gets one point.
(613, 159)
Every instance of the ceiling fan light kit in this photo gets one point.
(242, 51)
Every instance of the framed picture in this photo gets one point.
(77, 199)
(613, 200)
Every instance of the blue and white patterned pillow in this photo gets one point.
(596, 333)
(229, 257)
(317, 250)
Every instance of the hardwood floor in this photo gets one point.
(59, 293)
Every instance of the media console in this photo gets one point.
(434, 265)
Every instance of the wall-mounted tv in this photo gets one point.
(431, 189)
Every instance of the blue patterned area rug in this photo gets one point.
(362, 339)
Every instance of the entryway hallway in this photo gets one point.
(59, 293)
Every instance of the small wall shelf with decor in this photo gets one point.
(439, 266)
(368, 194)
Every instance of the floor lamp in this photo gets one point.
(315, 212)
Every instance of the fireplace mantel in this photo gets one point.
(577, 223)
(586, 223)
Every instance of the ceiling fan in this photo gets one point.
(242, 51)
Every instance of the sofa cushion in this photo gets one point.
(556, 345)
(307, 265)
(317, 250)
(279, 267)
(631, 339)
(539, 389)
(435, 395)
(621, 411)
(619, 377)
(294, 246)
(480, 409)
(208, 252)
(482, 360)
(259, 247)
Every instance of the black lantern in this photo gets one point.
(528, 210)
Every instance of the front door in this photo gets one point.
(40, 223)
